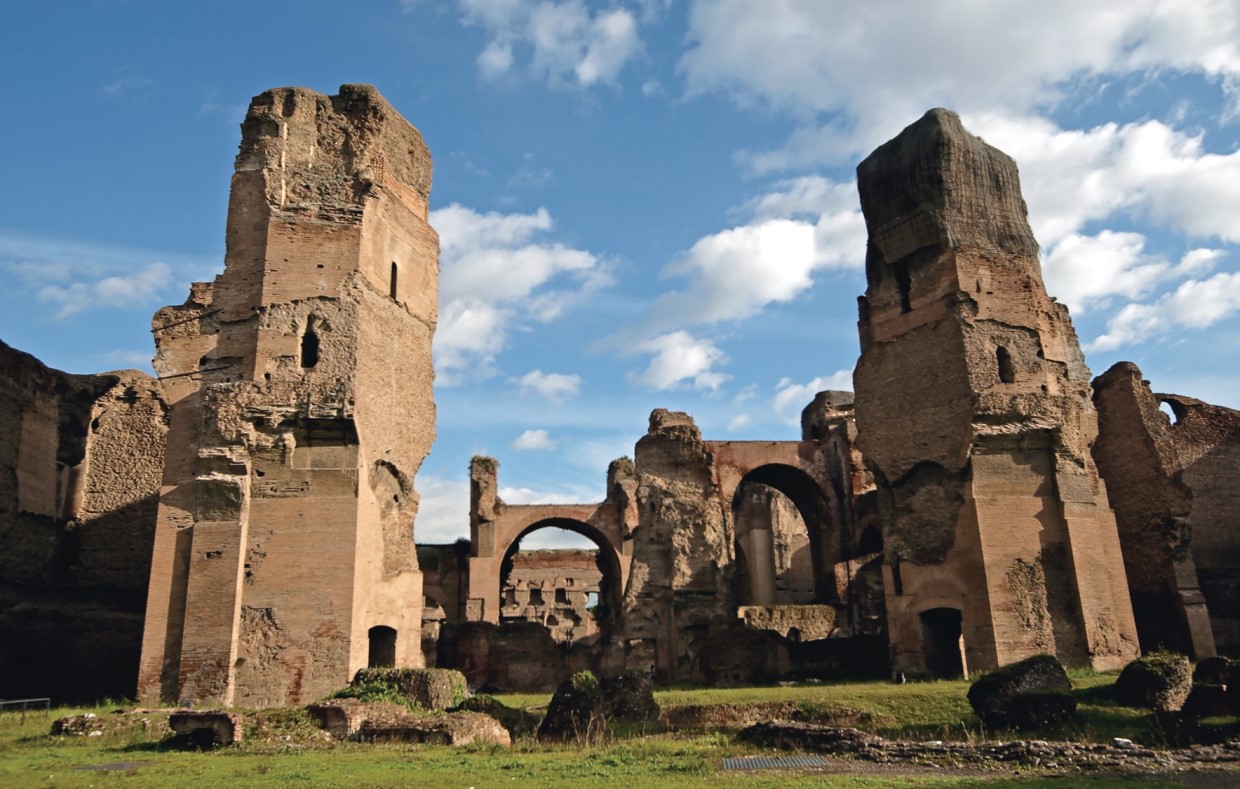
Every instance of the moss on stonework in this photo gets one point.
(426, 688)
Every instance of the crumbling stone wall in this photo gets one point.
(300, 382)
(680, 584)
(80, 464)
(1174, 488)
(974, 415)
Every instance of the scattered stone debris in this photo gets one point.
(1120, 756)
(736, 716)
(152, 722)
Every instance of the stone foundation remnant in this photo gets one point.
(974, 414)
(301, 408)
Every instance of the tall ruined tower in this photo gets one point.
(974, 413)
(301, 408)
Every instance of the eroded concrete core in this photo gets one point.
(300, 388)
(974, 414)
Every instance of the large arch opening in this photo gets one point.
(785, 540)
(564, 575)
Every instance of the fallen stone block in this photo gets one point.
(453, 728)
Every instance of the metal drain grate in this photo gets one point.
(773, 762)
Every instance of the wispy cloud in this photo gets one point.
(127, 86)
(75, 276)
(533, 440)
(565, 43)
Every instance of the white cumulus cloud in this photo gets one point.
(876, 67)
(556, 387)
(679, 359)
(533, 440)
(495, 271)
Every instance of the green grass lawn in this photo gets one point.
(29, 757)
(921, 710)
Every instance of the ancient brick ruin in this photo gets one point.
(80, 463)
(974, 503)
(1173, 484)
(974, 413)
(299, 384)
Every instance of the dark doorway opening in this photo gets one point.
(382, 647)
(940, 634)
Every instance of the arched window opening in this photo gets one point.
(382, 647)
(309, 346)
(1007, 370)
(392, 284)
(1174, 411)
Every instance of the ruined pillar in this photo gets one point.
(485, 507)
(974, 414)
(679, 585)
(300, 384)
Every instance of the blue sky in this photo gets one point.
(642, 204)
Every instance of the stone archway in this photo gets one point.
(784, 538)
(495, 540)
(555, 587)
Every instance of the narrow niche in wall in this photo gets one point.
(905, 284)
(392, 284)
(310, 345)
(1007, 370)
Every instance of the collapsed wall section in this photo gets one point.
(974, 415)
(1173, 484)
(301, 389)
(80, 464)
